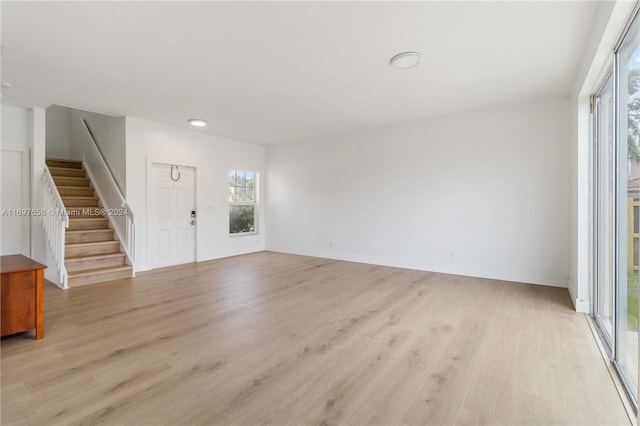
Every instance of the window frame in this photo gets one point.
(253, 203)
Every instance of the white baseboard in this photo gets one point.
(582, 306)
(51, 275)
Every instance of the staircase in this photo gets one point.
(92, 252)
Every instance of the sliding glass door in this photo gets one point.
(604, 167)
(628, 217)
(616, 213)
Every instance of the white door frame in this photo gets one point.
(149, 227)
(25, 154)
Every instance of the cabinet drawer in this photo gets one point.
(18, 305)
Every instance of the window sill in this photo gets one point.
(242, 234)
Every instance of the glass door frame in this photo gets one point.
(607, 338)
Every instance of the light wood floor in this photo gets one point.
(270, 338)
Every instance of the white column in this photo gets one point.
(37, 145)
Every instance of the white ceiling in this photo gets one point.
(288, 71)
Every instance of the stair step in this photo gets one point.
(89, 249)
(61, 162)
(92, 252)
(64, 171)
(88, 235)
(98, 275)
(71, 181)
(74, 201)
(92, 262)
(75, 191)
(80, 222)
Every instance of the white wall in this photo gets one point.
(16, 126)
(58, 132)
(16, 190)
(483, 194)
(24, 130)
(213, 157)
(66, 136)
(109, 133)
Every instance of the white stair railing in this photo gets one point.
(108, 190)
(55, 222)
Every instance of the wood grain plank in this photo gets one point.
(270, 338)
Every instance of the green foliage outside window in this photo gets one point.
(241, 219)
(633, 140)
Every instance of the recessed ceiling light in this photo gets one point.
(198, 122)
(405, 60)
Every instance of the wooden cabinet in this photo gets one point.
(22, 299)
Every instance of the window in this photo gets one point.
(242, 201)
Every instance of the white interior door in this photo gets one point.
(173, 227)
(15, 197)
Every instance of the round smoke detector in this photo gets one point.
(405, 60)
